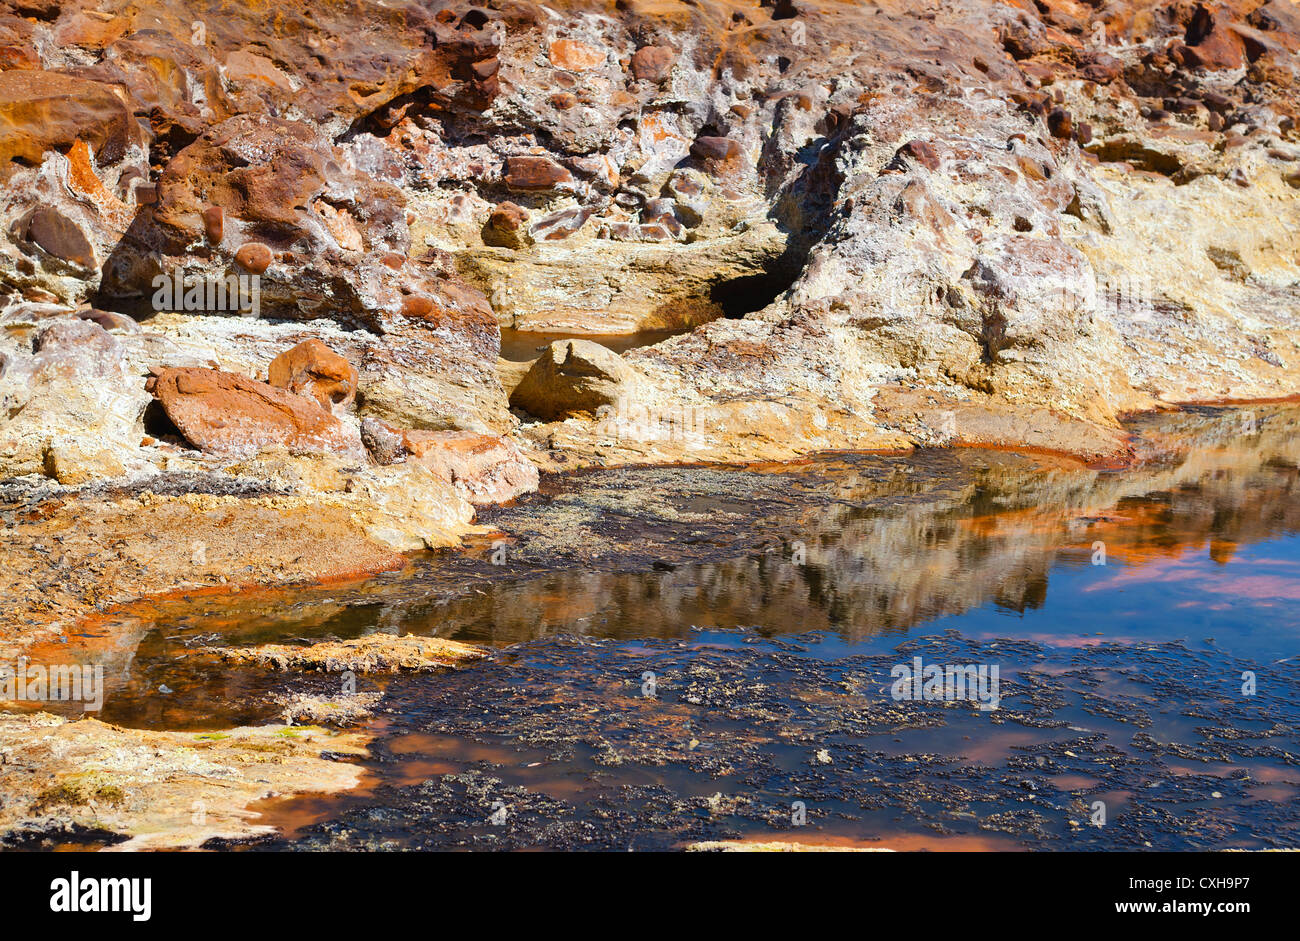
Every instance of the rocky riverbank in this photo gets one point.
(254, 271)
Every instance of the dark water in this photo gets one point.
(690, 654)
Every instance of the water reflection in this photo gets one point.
(864, 547)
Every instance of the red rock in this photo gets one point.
(715, 148)
(653, 63)
(535, 173)
(214, 224)
(110, 320)
(234, 416)
(505, 226)
(1211, 43)
(56, 235)
(482, 468)
(1100, 68)
(254, 257)
(921, 152)
(1060, 124)
(312, 368)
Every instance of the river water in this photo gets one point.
(697, 654)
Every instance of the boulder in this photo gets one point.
(231, 415)
(573, 377)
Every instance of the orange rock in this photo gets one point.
(44, 111)
(576, 56)
(234, 416)
(253, 257)
(312, 368)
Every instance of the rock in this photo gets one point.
(559, 225)
(385, 443)
(110, 319)
(375, 653)
(234, 416)
(921, 152)
(535, 173)
(715, 149)
(82, 345)
(57, 235)
(214, 228)
(253, 257)
(68, 409)
(1060, 123)
(575, 55)
(506, 226)
(312, 368)
(573, 377)
(63, 775)
(74, 463)
(482, 468)
(46, 111)
(339, 711)
(1211, 41)
(653, 63)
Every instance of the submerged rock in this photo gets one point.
(374, 653)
